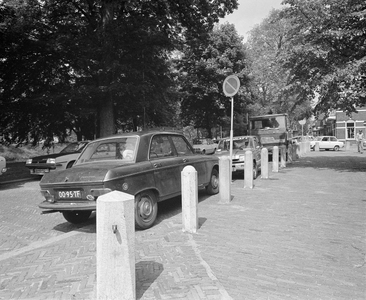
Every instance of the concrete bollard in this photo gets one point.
(297, 150)
(264, 163)
(290, 153)
(189, 199)
(248, 170)
(116, 277)
(275, 159)
(348, 145)
(225, 179)
(283, 157)
(302, 149)
(307, 147)
(316, 147)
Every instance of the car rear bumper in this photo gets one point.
(63, 206)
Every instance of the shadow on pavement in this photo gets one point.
(336, 161)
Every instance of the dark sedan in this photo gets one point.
(147, 165)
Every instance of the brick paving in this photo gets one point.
(301, 234)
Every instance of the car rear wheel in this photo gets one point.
(146, 209)
(336, 148)
(213, 186)
(76, 217)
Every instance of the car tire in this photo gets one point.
(213, 186)
(336, 148)
(146, 209)
(76, 217)
(203, 151)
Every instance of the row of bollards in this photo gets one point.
(116, 221)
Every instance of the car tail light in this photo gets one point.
(28, 161)
(47, 195)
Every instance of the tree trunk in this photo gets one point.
(106, 118)
(106, 108)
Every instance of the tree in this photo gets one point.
(204, 65)
(329, 54)
(269, 43)
(67, 62)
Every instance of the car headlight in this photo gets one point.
(241, 157)
(28, 161)
(51, 161)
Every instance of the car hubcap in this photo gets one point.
(145, 208)
(214, 181)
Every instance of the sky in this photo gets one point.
(250, 13)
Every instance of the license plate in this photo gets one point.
(39, 171)
(75, 194)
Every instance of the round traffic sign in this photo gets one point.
(231, 85)
(302, 122)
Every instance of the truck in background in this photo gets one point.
(272, 130)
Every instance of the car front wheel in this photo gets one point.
(76, 217)
(336, 148)
(146, 209)
(213, 186)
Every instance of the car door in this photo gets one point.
(324, 143)
(187, 157)
(166, 166)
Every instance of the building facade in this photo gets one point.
(348, 126)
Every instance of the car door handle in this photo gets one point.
(157, 165)
(185, 160)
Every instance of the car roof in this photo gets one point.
(239, 137)
(138, 134)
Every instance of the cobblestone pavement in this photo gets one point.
(301, 234)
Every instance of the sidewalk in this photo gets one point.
(301, 234)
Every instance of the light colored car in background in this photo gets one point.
(43, 164)
(327, 143)
(2, 165)
(241, 144)
(204, 146)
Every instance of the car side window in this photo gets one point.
(325, 139)
(181, 146)
(160, 147)
(333, 139)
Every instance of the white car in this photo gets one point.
(204, 146)
(2, 165)
(327, 143)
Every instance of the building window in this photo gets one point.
(350, 130)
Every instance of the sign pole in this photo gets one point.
(230, 87)
(231, 137)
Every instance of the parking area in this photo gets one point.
(301, 234)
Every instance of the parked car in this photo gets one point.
(41, 165)
(147, 165)
(241, 144)
(204, 146)
(327, 143)
(2, 165)
(298, 139)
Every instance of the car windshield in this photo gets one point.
(318, 138)
(237, 144)
(122, 149)
(73, 147)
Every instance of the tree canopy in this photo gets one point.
(81, 65)
(204, 66)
